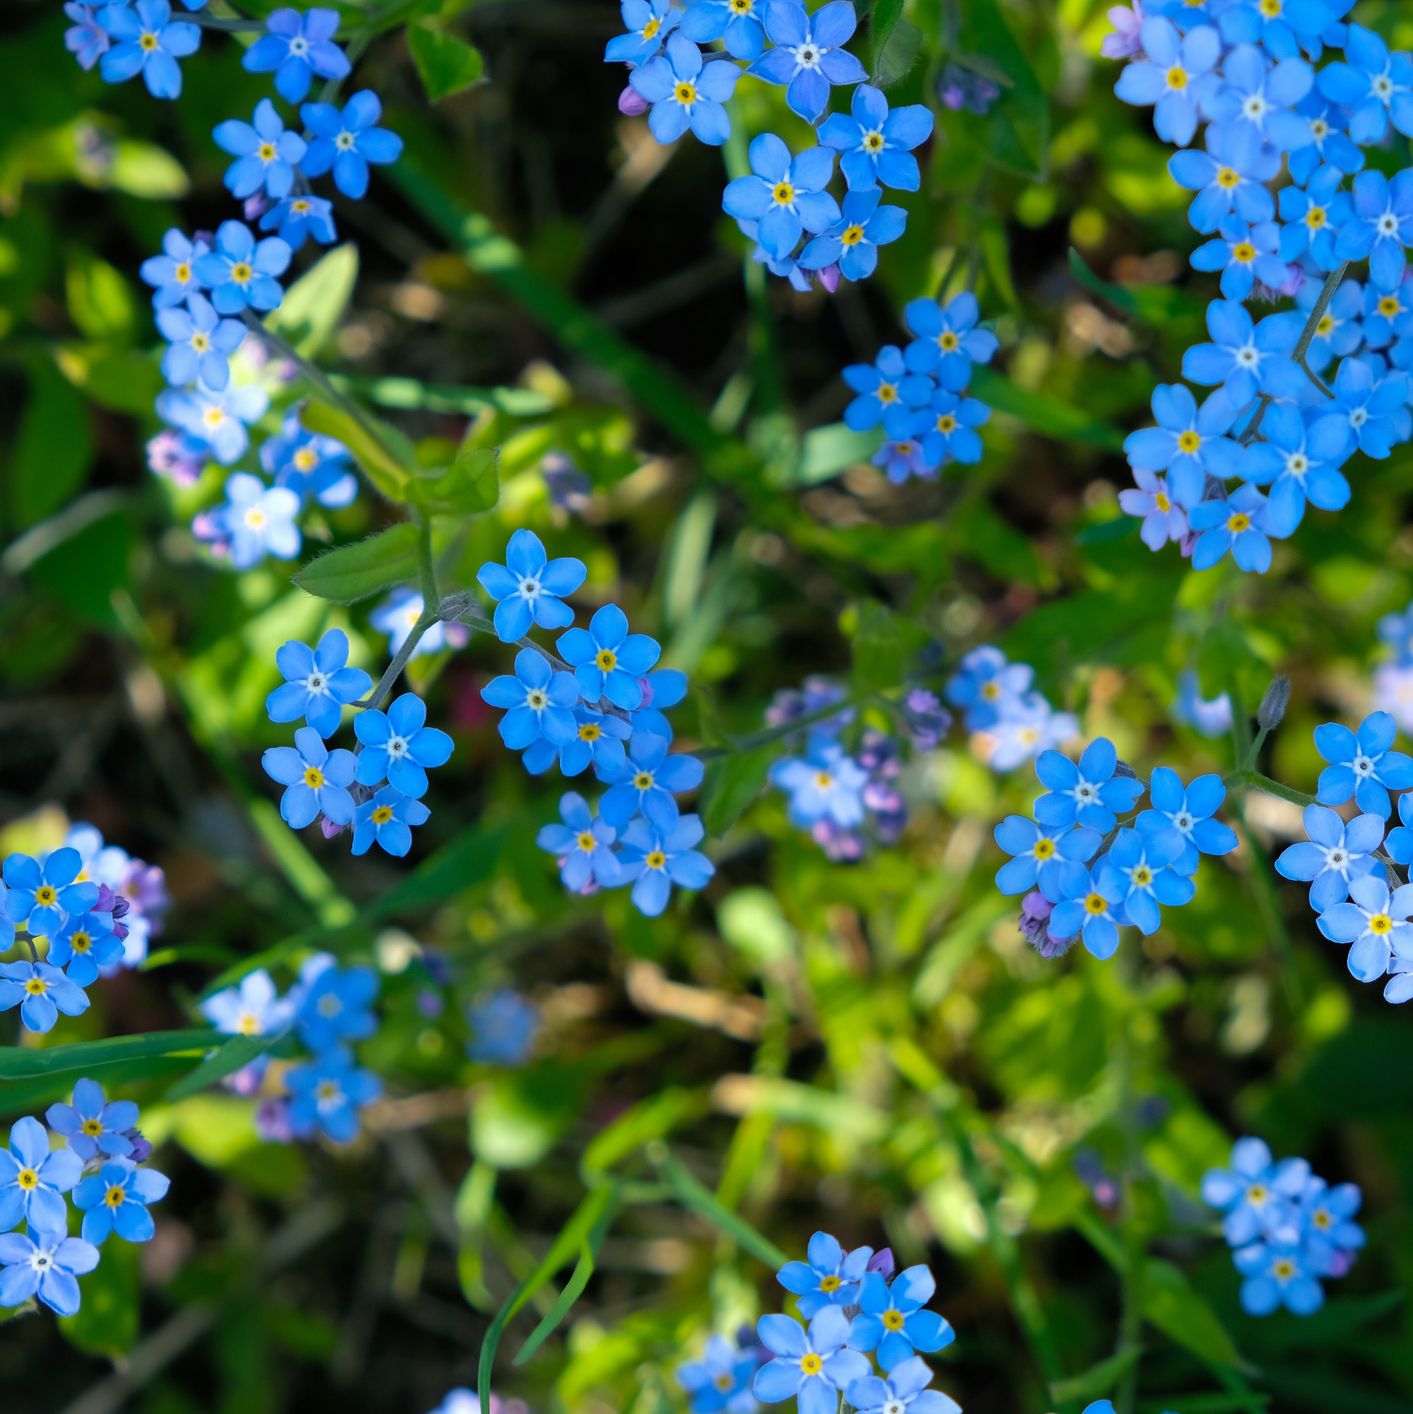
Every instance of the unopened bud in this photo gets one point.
(1274, 703)
(882, 1262)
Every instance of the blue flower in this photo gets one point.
(1047, 860)
(1189, 444)
(41, 992)
(318, 684)
(398, 746)
(882, 386)
(1175, 78)
(259, 520)
(1334, 856)
(947, 342)
(949, 426)
(904, 456)
(1282, 30)
(529, 587)
(1256, 1195)
(852, 242)
(1188, 815)
(85, 39)
(33, 1180)
(824, 784)
(987, 686)
(316, 780)
(400, 611)
(326, 1095)
(813, 1366)
(831, 1276)
(295, 48)
(311, 465)
(1380, 226)
(46, 1265)
(598, 741)
(539, 702)
(83, 945)
(388, 819)
(219, 418)
(41, 894)
(905, 1391)
(173, 274)
(808, 54)
(241, 272)
(737, 23)
(686, 93)
(608, 661)
(1228, 180)
(1089, 793)
(1388, 314)
(1247, 358)
(1244, 254)
(115, 1199)
(1376, 85)
(648, 23)
(784, 197)
(301, 218)
(200, 343)
(1361, 764)
(1329, 138)
(266, 153)
(1256, 100)
(583, 845)
(253, 1007)
(646, 783)
(333, 1004)
(1276, 1275)
(1092, 909)
(1300, 461)
(1331, 1235)
(662, 688)
(1136, 869)
(720, 1382)
(1400, 839)
(658, 860)
(891, 1319)
(93, 1125)
(146, 40)
(503, 1028)
(1369, 410)
(1375, 922)
(348, 142)
(877, 145)
(1313, 215)
(1236, 525)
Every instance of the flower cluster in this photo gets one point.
(1237, 471)
(57, 904)
(860, 1334)
(100, 1169)
(1011, 722)
(328, 1009)
(918, 394)
(1082, 874)
(378, 789)
(1288, 1230)
(800, 230)
(720, 1382)
(1355, 888)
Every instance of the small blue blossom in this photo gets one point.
(259, 520)
(1174, 78)
(83, 945)
(903, 456)
(316, 780)
(648, 23)
(852, 242)
(1187, 815)
(1247, 358)
(1332, 1237)
(253, 1007)
(948, 429)
(401, 611)
(904, 1391)
(1228, 180)
(1189, 444)
(1236, 525)
(314, 467)
(387, 819)
(583, 845)
(1087, 793)
(662, 688)
(1257, 99)
(399, 747)
(85, 39)
(808, 56)
(1375, 922)
(987, 687)
(830, 1277)
(876, 145)
(686, 93)
(1092, 909)
(241, 272)
(300, 218)
(46, 1265)
(529, 587)
(1388, 314)
(608, 661)
(720, 1382)
(33, 1180)
(39, 895)
(347, 142)
(295, 48)
(647, 782)
(813, 1366)
(1255, 1195)
(267, 154)
(1276, 1275)
(1300, 462)
(826, 783)
(1048, 860)
(598, 741)
(173, 274)
(1330, 143)
(503, 1028)
(1334, 855)
(1361, 764)
(41, 991)
(658, 860)
(784, 196)
(882, 386)
(1313, 215)
(891, 1319)
(1136, 868)
(115, 1199)
(327, 1094)
(200, 343)
(1380, 227)
(146, 40)
(93, 1124)
(333, 1004)
(318, 683)
(538, 702)
(220, 418)
(947, 342)
(1244, 254)
(737, 23)
(1376, 85)
(1371, 412)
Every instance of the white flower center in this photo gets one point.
(397, 747)
(317, 683)
(1363, 766)
(807, 56)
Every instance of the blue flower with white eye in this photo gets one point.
(387, 819)
(253, 1007)
(1329, 144)
(1375, 922)
(648, 23)
(1235, 525)
(348, 141)
(267, 154)
(115, 1199)
(812, 1366)
(399, 613)
(686, 93)
(1228, 179)
(259, 520)
(881, 386)
(1282, 30)
(824, 784)
(1376, 85)
(1189, 444)
(318, 683)
(173, 274)
(891, 1319)
(659, 860)
(1300, 461)
(1334, 855)
(1246, 358)
(947, 342)
(876, 145)
(948, 429)
(93, 1124)
(1340, 330)
(1369, 411)
(647, 782)
(1087, 793)
(1380, 227)
(529, 587)
(597, 741)
(1256, 1195)
(852, 242)
(301, 218)
(784, 196)
(1256, 100)
(40, 895)
(583, 845)
(538, 702)
(334, 1004)
(41, 991)
(314, 467)
(83, 945)
(33, 1180)
(1175, 78)
(200, 343)
(295, 47)
(146, 40)
(1361, 764)
(1092, 910)
(316, 780)
(608, 661)
(1137, 869)
(1313, 215)
(1277, 1275)
(46, 1265)
(241, 272)
(830, 1277)
(503, 1028)
(737, 23)
(904, 1391)
(1186, 817)
(808, 54)
(220, 418)
(1244, 254)
(327, 1094)
(399, 746)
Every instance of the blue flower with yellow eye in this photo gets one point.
(199, 343)
(583, 845)
(647, 782)
(875, 144)
(115, 1199)
(892, 1320)
(1092, 909)
(46, 1265)
(686, 93)
(267, 154)
(598, 741)
(784, 197)
(648, 23)
(146, 40)
(538, 702)
(93, 1124)
(829, 1277)
(85, 944)
(316, 780)
(40, 895)
(173, 274)
(327, 1094)
(241, 272)
(658, 860)
(41, 991)
(300, 218)
(608, 661)
(881, 386)
(852, 242)
(34, 1179)
(387, 820)
(737, 23)
(947, 341)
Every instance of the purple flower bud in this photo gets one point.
(178, 456)
(828, 277)
(631, 103)
(927, 720)
(1034, 926)
(256, 206)
(141, 1145)
(328, 829)
(882, 1262)
(960, 87)
(272, 1122)
(1125, 42)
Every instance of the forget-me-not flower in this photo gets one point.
(41, 991)
(1375, 922)
(946, 340)
(529, 587)
(852, 242)
(686, 93)
(1376, 85)
(648, 23)
(399, 746)
(1086, 793)
(145, 39)
(657, 860)
(267, 154)
(1188, 814)
(46, 1265)
(1189, 443)
(295, 47)
(1244, 254)
(783, 196)
(93, 1124)
(1380, 226)
(876, 145)
(39, 895)
(537, 700)
(318, 683)
(881, 386)
(1235, 525)
(1334, 855)
(608, 661)
(737, 23)
(1361, 764)
(892, 1320)
(1228, 180)
(347, 142)
(34, 1179)
(1175, 78)
(327, 1094)
(647, 781)
(1246, 358)
(387, 819)
(173, 274)
(241, 272)
(316, 780)
(812, 1366)
(1299, 461)
(808, 54)
(904, 1391)
(259, 520)
(85, 944)
(583, 844)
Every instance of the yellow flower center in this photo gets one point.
(306, 459)
(147, 41)
(1228, 178)
(1243, 253)
(1322, 1219)
(947, 341)
(536, 700)
(742, 7)
(823, 781)
(266, 151)
(301, 207)
(115, 1195)
(1177, 77)
(1315, 217)
(213, 418)
(182, 274)
(1238, 521)
(248, 1024)
(1143, 876)
(830, 1284)
(1284, 1269)
(45, 895)
(313, 777)
(685, 93)
(1256, 1194)
(783, 195)
(892, 1320)
(643, 781)
(1380, 924)
(382, 814)
(852, 236)
(651, 28)
(587, 842)
(606, 660)
(1270, 8)
(27, 1179)
(80, 942)
(1095, 904)
(656, 859)
(36, 986)
(590, 731)
(946, 424)
(241, 272)
(1160, 499)
(1326, 325)
(200, 342)
(1189, 441)
(724, 1382)
(326, 1090)
(811, 1364)
(92, 1127)
(873, 142)
(887, 393)
(1044, 848)
(1389, 306)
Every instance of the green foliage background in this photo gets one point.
(870, 1050)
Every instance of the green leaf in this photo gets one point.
(894, 58)
(314, 304)
(54, 447)
(826, 451)
(100, 300)
(146, 170)
(107, 1320)
(382, 452)
(881, 23)
(697, 1198)
(1097, 1381)
(731, 786)
(121, 380)
(1019, 127)
(22, 1062)
(573, 1290)
(445, 64)
(470, 485)
(1044, 414)
(103, 548)
(878, 649)
(237, 1053)
(1171, 1304)
(367, 567)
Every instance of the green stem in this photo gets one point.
(431, 613)
(1257, 781)
(1134, 1249)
